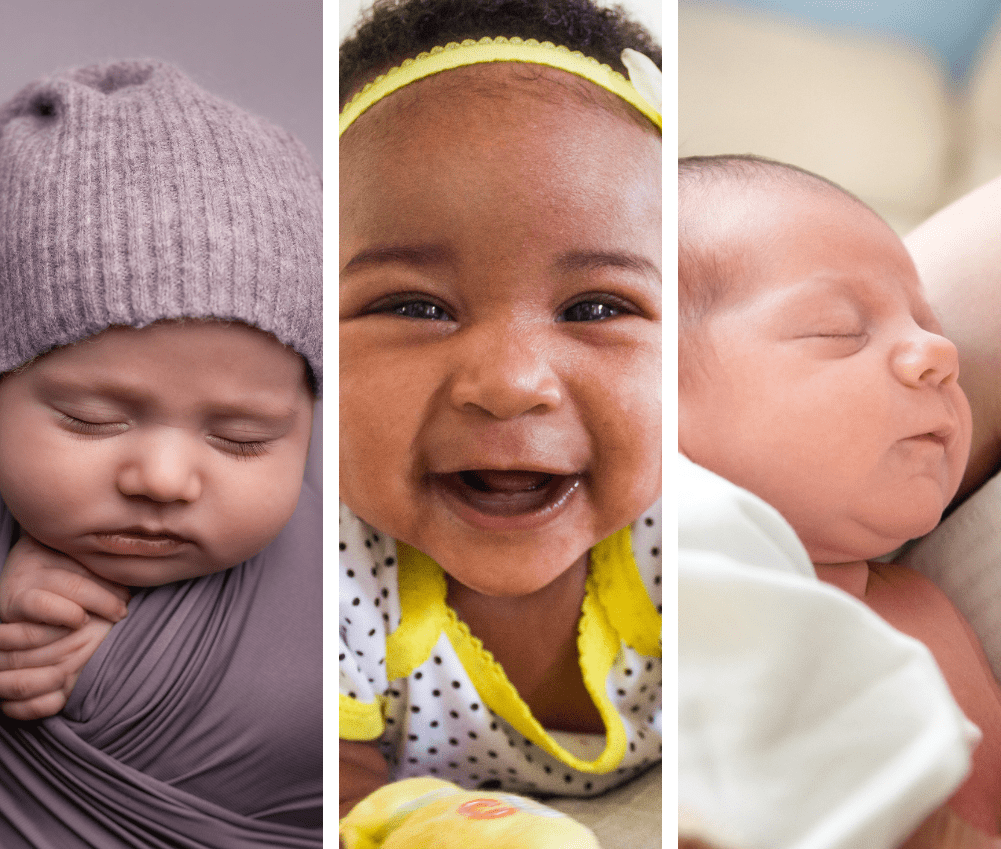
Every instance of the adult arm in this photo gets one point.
(958, 256)
(945, 830)
(363, 770)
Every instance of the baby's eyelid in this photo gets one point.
(86, 426)
(242, 448)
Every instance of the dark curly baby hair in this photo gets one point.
(394, 30)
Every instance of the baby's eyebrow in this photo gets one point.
(420, 255)
(272, 421)
(593, 260)
(277, 416)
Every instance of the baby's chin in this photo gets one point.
(144, 571)
(503, 581)
(867, 541)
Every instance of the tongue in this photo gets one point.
(507, 493)
(489, 480)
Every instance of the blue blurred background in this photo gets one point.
(899, 101)
(953, 30)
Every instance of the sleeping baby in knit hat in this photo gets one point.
(160, 362)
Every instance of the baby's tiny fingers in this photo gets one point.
(37, 708)
(23, 636)
(48, 608)
(19, 685)
(53, 654)
(108, 600)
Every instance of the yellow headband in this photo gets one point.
(471, 52)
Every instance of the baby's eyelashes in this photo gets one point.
(839, 344)
(858, 335)
(91, 428)
(238, 448)
(243, 450)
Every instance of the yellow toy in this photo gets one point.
(419, 813)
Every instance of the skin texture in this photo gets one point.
(830, 391)
(115, 445)
(503, 215)
(500, 310)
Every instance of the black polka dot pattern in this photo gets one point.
(436, 723)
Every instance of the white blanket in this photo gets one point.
(804, 719)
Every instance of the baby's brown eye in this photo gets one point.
(589, 311)
(421, 309)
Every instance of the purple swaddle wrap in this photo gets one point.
(198, 721)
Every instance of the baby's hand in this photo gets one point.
(43, 586)
(47, 635)
(40, 664)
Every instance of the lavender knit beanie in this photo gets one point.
(129, 195)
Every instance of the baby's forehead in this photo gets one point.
(759, 233)
(733, 215)
(446, 135)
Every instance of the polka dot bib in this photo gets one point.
(415, 679)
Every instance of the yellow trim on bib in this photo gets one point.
(623, 595)
(500, 49)
(359, 720)
(502, 698)
(423, 613)
(613, 580)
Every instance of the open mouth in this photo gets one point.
(509, 493)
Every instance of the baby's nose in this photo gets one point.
(506, 374)
(926, 359)
(160, 468)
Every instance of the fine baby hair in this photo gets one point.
(500, 415)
